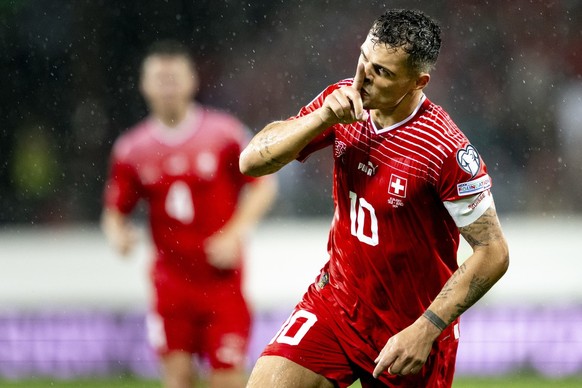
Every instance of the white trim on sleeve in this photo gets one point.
(466, 210)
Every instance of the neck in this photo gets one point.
(386, 117)
(172, 118)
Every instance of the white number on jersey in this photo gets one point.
(359, 207)
(179, 203)
(283, 338)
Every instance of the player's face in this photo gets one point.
(388, 78)
(168, 83)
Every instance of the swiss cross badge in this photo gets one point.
(397, 186)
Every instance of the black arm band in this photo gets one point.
(435, 320)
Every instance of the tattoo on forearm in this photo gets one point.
(477, 288)
(453, 280)
(265, 141)
(270, 161)
(435, 320)
(483, 231)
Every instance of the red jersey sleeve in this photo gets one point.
(463, 173)
(123, 186)
(327, 137)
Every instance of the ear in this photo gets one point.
(422, 80)
(141, 86)
(195, 82)
(142, 74)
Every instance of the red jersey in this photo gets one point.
(189, 177)
(393, 243)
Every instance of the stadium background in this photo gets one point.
(509, 74)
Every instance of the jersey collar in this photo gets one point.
(407, 119)
(181, 132)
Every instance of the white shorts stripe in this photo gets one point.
(156, 332)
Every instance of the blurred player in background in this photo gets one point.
(183, 161)
(385, 307)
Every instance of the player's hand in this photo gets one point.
(345, 104)
(406, 352)
(120, 233)
(124, 239)
(223, 249)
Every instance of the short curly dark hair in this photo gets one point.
(412, 30)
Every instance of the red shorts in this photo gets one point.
(212, 321)
(319, 339)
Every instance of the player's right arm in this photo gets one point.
(119, 232)
(122, 191)
(280, 142)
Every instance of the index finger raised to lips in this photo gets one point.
(359, 77)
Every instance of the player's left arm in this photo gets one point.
(223, 248)
(487, 264)
(407, 351)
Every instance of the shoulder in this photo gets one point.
(218, 117)
(436, 123)
(318, 100)
(131, 140)
(343, 82)
(462, 162)
(331, 88)
(221, 122)
(223, 129)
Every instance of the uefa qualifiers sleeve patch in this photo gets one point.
(474, 187)
(469, 160)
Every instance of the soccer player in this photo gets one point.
(385, 306)
(183, 161)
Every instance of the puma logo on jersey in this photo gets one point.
(369, 169)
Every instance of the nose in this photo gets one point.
(368, 72)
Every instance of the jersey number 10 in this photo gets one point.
(360, 210)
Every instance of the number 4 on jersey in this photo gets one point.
(179, 204)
